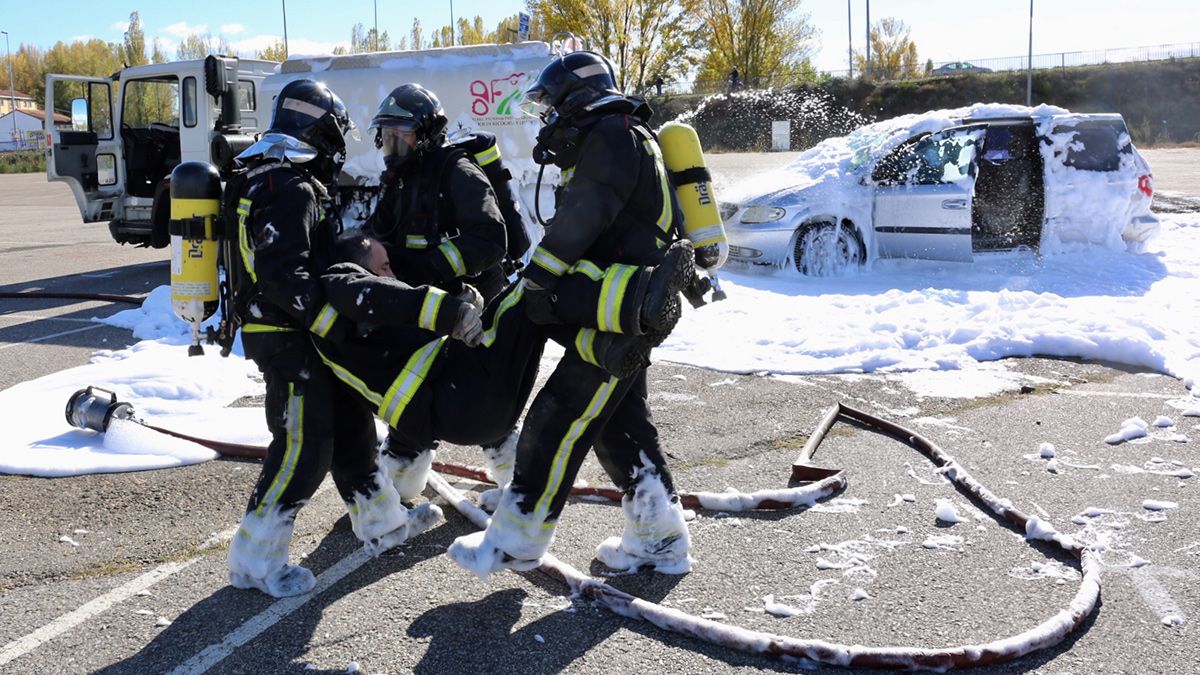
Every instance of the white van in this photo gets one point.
(127, 133)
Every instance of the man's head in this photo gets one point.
(571, 83)
(409, 121)
(366, 252)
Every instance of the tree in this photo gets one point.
(768, 41)
(95, 58)
(364, 40)
(417, 41)
(643, 38)
(134, 50)
(196, 46)
(276, 51)
(506, 30)
(893, 53)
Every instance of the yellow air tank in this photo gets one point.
(195, 201)
(693, 187)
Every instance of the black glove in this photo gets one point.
(539, 303)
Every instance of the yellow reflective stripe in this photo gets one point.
(244, 246)
(454, 257)
(351, 381)
(514, 296)
(488, 156)
(664, 218)
(612, 294)
(324, 321)
(585, 345)
(546, 527)
(549, 262)
(294, 426)
(416, 241)
(713, 234)
(429, 308)
(405, 386)
(266, 328)
(562, 455)
(567, 175)
(589, 269)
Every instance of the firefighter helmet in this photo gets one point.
(410, 120)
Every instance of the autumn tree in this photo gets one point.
(133, 51)
(506, 31)
(94, 57)
(893, 53)
(417, 36)
(368, 40)
(276, 51)
(644, 38)
(768, 41)
(196, 46)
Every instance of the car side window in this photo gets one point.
(941, 158)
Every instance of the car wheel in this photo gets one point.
(828, 250)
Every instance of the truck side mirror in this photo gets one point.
(220, 80)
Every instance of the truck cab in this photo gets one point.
(129, 131)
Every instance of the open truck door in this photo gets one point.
(86, 154)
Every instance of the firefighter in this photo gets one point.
(441, 220)
(285, 231)
(614, 208)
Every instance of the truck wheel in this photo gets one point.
(824, 249)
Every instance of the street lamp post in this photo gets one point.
(868, 52)
(1029, 61)
(12, 97)
(375, 41)
(850, 39)
(285, 40)
(451, 23)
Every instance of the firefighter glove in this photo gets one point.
(469, 326)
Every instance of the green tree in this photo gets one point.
(893, 53)
(364, 40)
(157, 55)
(506, 30)
(643, 38)
(276, 51)
(196, 46)
(95, 58)
(134, 50)
(417, 36)
(764, 39)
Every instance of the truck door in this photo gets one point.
(923, 194)
(84, 154)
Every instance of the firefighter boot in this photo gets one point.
(407, 471)
(258, 555)
(655, 532)
(381, 522)
(500, 460)
(661, 308)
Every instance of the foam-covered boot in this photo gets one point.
(661, 308)
(655, 532)
(512, 540)
(408, 474)
(500, 460)
(259, 552)
(381, 522)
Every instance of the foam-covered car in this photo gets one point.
(948, 185)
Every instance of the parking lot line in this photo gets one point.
(41, 317)
(54, 335)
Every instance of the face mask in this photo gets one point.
(396, 143)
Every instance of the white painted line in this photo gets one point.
(258, 624)
(54, 335)
(1114, 394)
(20, 647)
(1157, 598)
(39, 317)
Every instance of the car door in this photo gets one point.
(86, 153)
(923, 192)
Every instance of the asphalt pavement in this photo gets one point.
(145, 590)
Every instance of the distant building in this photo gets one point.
(8, 97)
(29, 130)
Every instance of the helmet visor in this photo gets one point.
(536, 102)
(397, 141)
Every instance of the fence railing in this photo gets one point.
(1040, 62)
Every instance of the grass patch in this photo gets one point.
(23, 161)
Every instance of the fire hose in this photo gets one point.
(86, 410)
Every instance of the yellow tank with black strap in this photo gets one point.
(693, 188)
(195, 201)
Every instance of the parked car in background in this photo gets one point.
(958, 68)
(948, 185)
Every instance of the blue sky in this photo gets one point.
(944, 30)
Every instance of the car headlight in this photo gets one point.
(762, 214)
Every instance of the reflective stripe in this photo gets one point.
(488, 156)
(244, 246)
(351, 381)
(294, 425)
(562, 455)
(267, 328)
(664, 218)
(324, 321)
(567, 174)
(589, 70)
(453, 257)
(406, 384)
(589, 269)
(430, 307)
(549, 262)
(585, 345)
(612, 294)
(416, 241)
(514, 296)
(712, 234)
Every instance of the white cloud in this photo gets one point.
(182, 29)
(250, 46)
(122, 25)
(232, 28)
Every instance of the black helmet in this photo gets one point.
(309, 112)
(409, 109)
(572, 81)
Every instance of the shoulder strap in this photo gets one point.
(675, 232)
